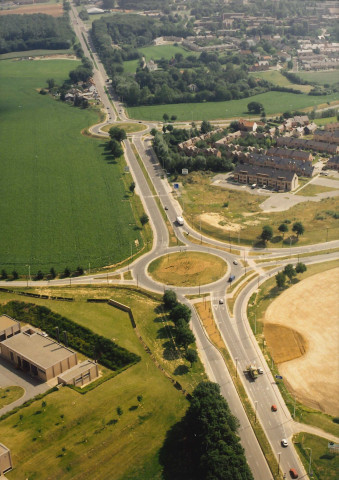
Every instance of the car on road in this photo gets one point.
(166, 208)
(284, 442)
(221, 301)
(235, 262)
(274, 408)
(260, 371)
(293, 473)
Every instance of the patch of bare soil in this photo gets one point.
(307, 316)
(55, 10)
(218, 221)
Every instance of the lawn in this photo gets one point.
(10, 394)
(78, 436)
(35, 53)
(128, 127)
(312, 190)
(156, 52)
(274, 103)
(64, 201)
(325, 121)
(243, 219)
(324, 463)
(280, 80)
(329, 76)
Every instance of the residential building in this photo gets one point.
(305, 144)
(332, 126)
(333, 162)
(287, 164)
(329, 136)
(8, 327)
(263, 176)
(247, 125)
(37, 354)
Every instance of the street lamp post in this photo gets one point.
(294, 409)
(29, 274)
(236, 367)
(309, 465)
(279, 453)
(256, 405)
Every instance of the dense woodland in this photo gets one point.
(37, 31)
(205, 444)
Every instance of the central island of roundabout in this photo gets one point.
(187, 269)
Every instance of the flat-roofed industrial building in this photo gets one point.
(5, 459)
(38, 355)
(8, 327)
(80, 375)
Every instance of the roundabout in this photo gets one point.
(187, 269)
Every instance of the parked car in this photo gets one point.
(274, 408)
(293, 473)
(260, 371)
(284, 442)
(221, 301)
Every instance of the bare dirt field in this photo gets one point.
(55, 10)
(219, 221)
(302, 332)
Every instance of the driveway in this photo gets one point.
(10, 376)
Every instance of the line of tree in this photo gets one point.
(289, 272)
(267, 231)
(180, 315)
(205, 444)
(39, 275)
(82, 339)
(37, 31)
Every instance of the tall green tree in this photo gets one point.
(300, 267)
(298, 228)
(180, 311)
(280, 278)
(267, 233)
(118, 134)
(289, 271)
(283, 228)
(170, 299)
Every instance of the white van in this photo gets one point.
(180, 220)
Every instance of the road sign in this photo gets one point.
(176, 185)
(184, 171)
(279, 377)
(126, 168)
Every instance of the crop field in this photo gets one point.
(156, 52)
(329, 76)
(64, 203)
(72, 434)
(278, 79)
(314, 343)
(56, 9)
(273, 102)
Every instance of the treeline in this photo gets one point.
(205, 444)
(173, 160)
(142, 4)
(80, 338)
(32, 32)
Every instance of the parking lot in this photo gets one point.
(10, 376)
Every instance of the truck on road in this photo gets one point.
(180, 220)
(252, 371)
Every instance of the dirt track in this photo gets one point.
(55, 10)
(310, 308)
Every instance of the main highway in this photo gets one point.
(236, 333)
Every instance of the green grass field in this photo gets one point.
(35, 53)
(63, 200)
(156, 52)
(329, 76)
(324, 463)
(80, 436)
(274, 103)
(324, 121)
(277, 78)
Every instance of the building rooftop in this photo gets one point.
(7, 322)
(3, 449)
(265, 171)
(73, 372)
(40, 350)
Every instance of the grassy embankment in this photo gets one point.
(257, 307)
(274, 103)
(327, 77)
(66, 204)
(74, 435)
(324, 463)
